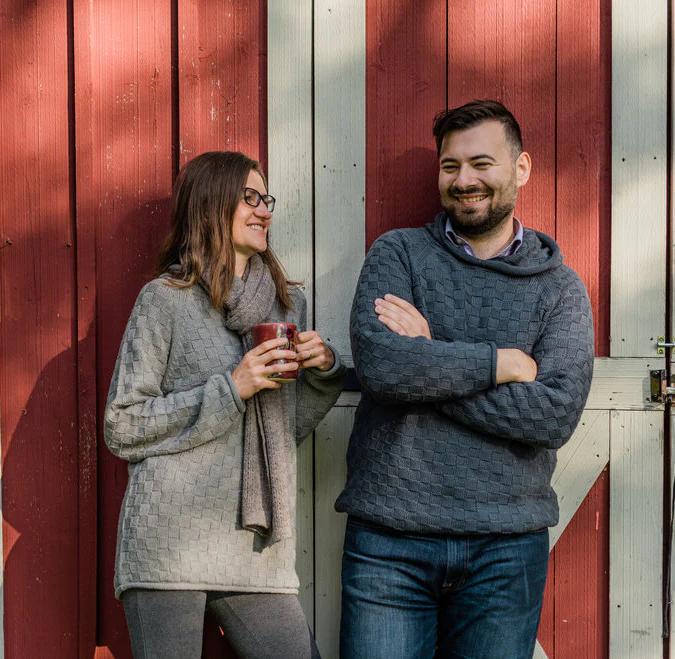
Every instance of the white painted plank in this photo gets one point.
(289, 126)
(618, 384)
(289, 116)
(339, 120)
(636, 516)
(332, 437)
(623, 384)
(580, 462)
(539, 652)
(639, 167)
(304, 521)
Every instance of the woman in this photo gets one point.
(207, 521)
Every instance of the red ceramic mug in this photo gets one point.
(266, 331)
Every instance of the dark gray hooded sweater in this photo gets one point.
(437, 445)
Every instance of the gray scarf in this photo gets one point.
(265, 500)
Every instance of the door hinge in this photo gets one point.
(661, 391)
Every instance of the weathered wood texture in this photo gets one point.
(38, 347)
(406, 69)
(222, 74)
(636, 519)
(339, 163)
(332, 437)
(639, 172)
(123, 145)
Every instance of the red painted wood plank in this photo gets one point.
(504, 51)
(405, 88)
(124, 178)
(583, 150)
(546, 633)
(582, 579)
(222, 51)
(38, 414)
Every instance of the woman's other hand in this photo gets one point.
(252, 373)
(313, 352)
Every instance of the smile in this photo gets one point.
(472, 200)
(257, 227)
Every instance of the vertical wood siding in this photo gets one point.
(123, 146)
(38, 349)
(102, 102)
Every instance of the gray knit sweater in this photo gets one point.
(437, 445)
(174, 413)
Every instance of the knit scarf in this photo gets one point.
(265, 500)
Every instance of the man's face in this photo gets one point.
(479, 177)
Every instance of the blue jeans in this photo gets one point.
(406, 596)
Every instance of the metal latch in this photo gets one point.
(662, 344)
(661, 391)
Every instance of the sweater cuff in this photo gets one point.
(241, 405)
(335, 369)
(493, 366)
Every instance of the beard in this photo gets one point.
(472, 222)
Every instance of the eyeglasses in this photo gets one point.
(253, 198)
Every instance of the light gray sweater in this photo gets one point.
(174, 413)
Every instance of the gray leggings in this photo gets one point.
(168, 624)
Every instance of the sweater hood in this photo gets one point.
(538, 252)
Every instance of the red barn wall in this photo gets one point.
(100, 103)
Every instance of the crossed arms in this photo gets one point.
(504, 393)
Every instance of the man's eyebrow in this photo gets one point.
(480, 156)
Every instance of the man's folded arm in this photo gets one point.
(393, 368)
(544, 412)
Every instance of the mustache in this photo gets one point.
(472, 189)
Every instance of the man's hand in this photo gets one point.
(401, 317)
(514, 365)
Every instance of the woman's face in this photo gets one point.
(250, 225)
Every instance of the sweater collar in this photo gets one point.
(537, 253)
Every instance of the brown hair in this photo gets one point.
(473, 113)
(199, 245)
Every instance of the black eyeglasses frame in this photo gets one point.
(256, 197)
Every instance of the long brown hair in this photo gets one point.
(199, 246)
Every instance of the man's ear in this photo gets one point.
(523, 169)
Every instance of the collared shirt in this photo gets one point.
(509, 250)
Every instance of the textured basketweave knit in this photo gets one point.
(437, 445)
(174, 413)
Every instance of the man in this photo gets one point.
(473, 344)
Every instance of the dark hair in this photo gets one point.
(473, 113)
(199, 245)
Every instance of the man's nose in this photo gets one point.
(466, 177)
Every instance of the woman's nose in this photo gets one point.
(262, 211)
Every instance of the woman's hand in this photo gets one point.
(253, 371)
(313, 352)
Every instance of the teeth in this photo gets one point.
(256, 227)
(472, 200)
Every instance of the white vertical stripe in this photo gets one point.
(289, 120)
(339, 175)
(635, 525)
(339, 179)
(639, 166)
(332, 437)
